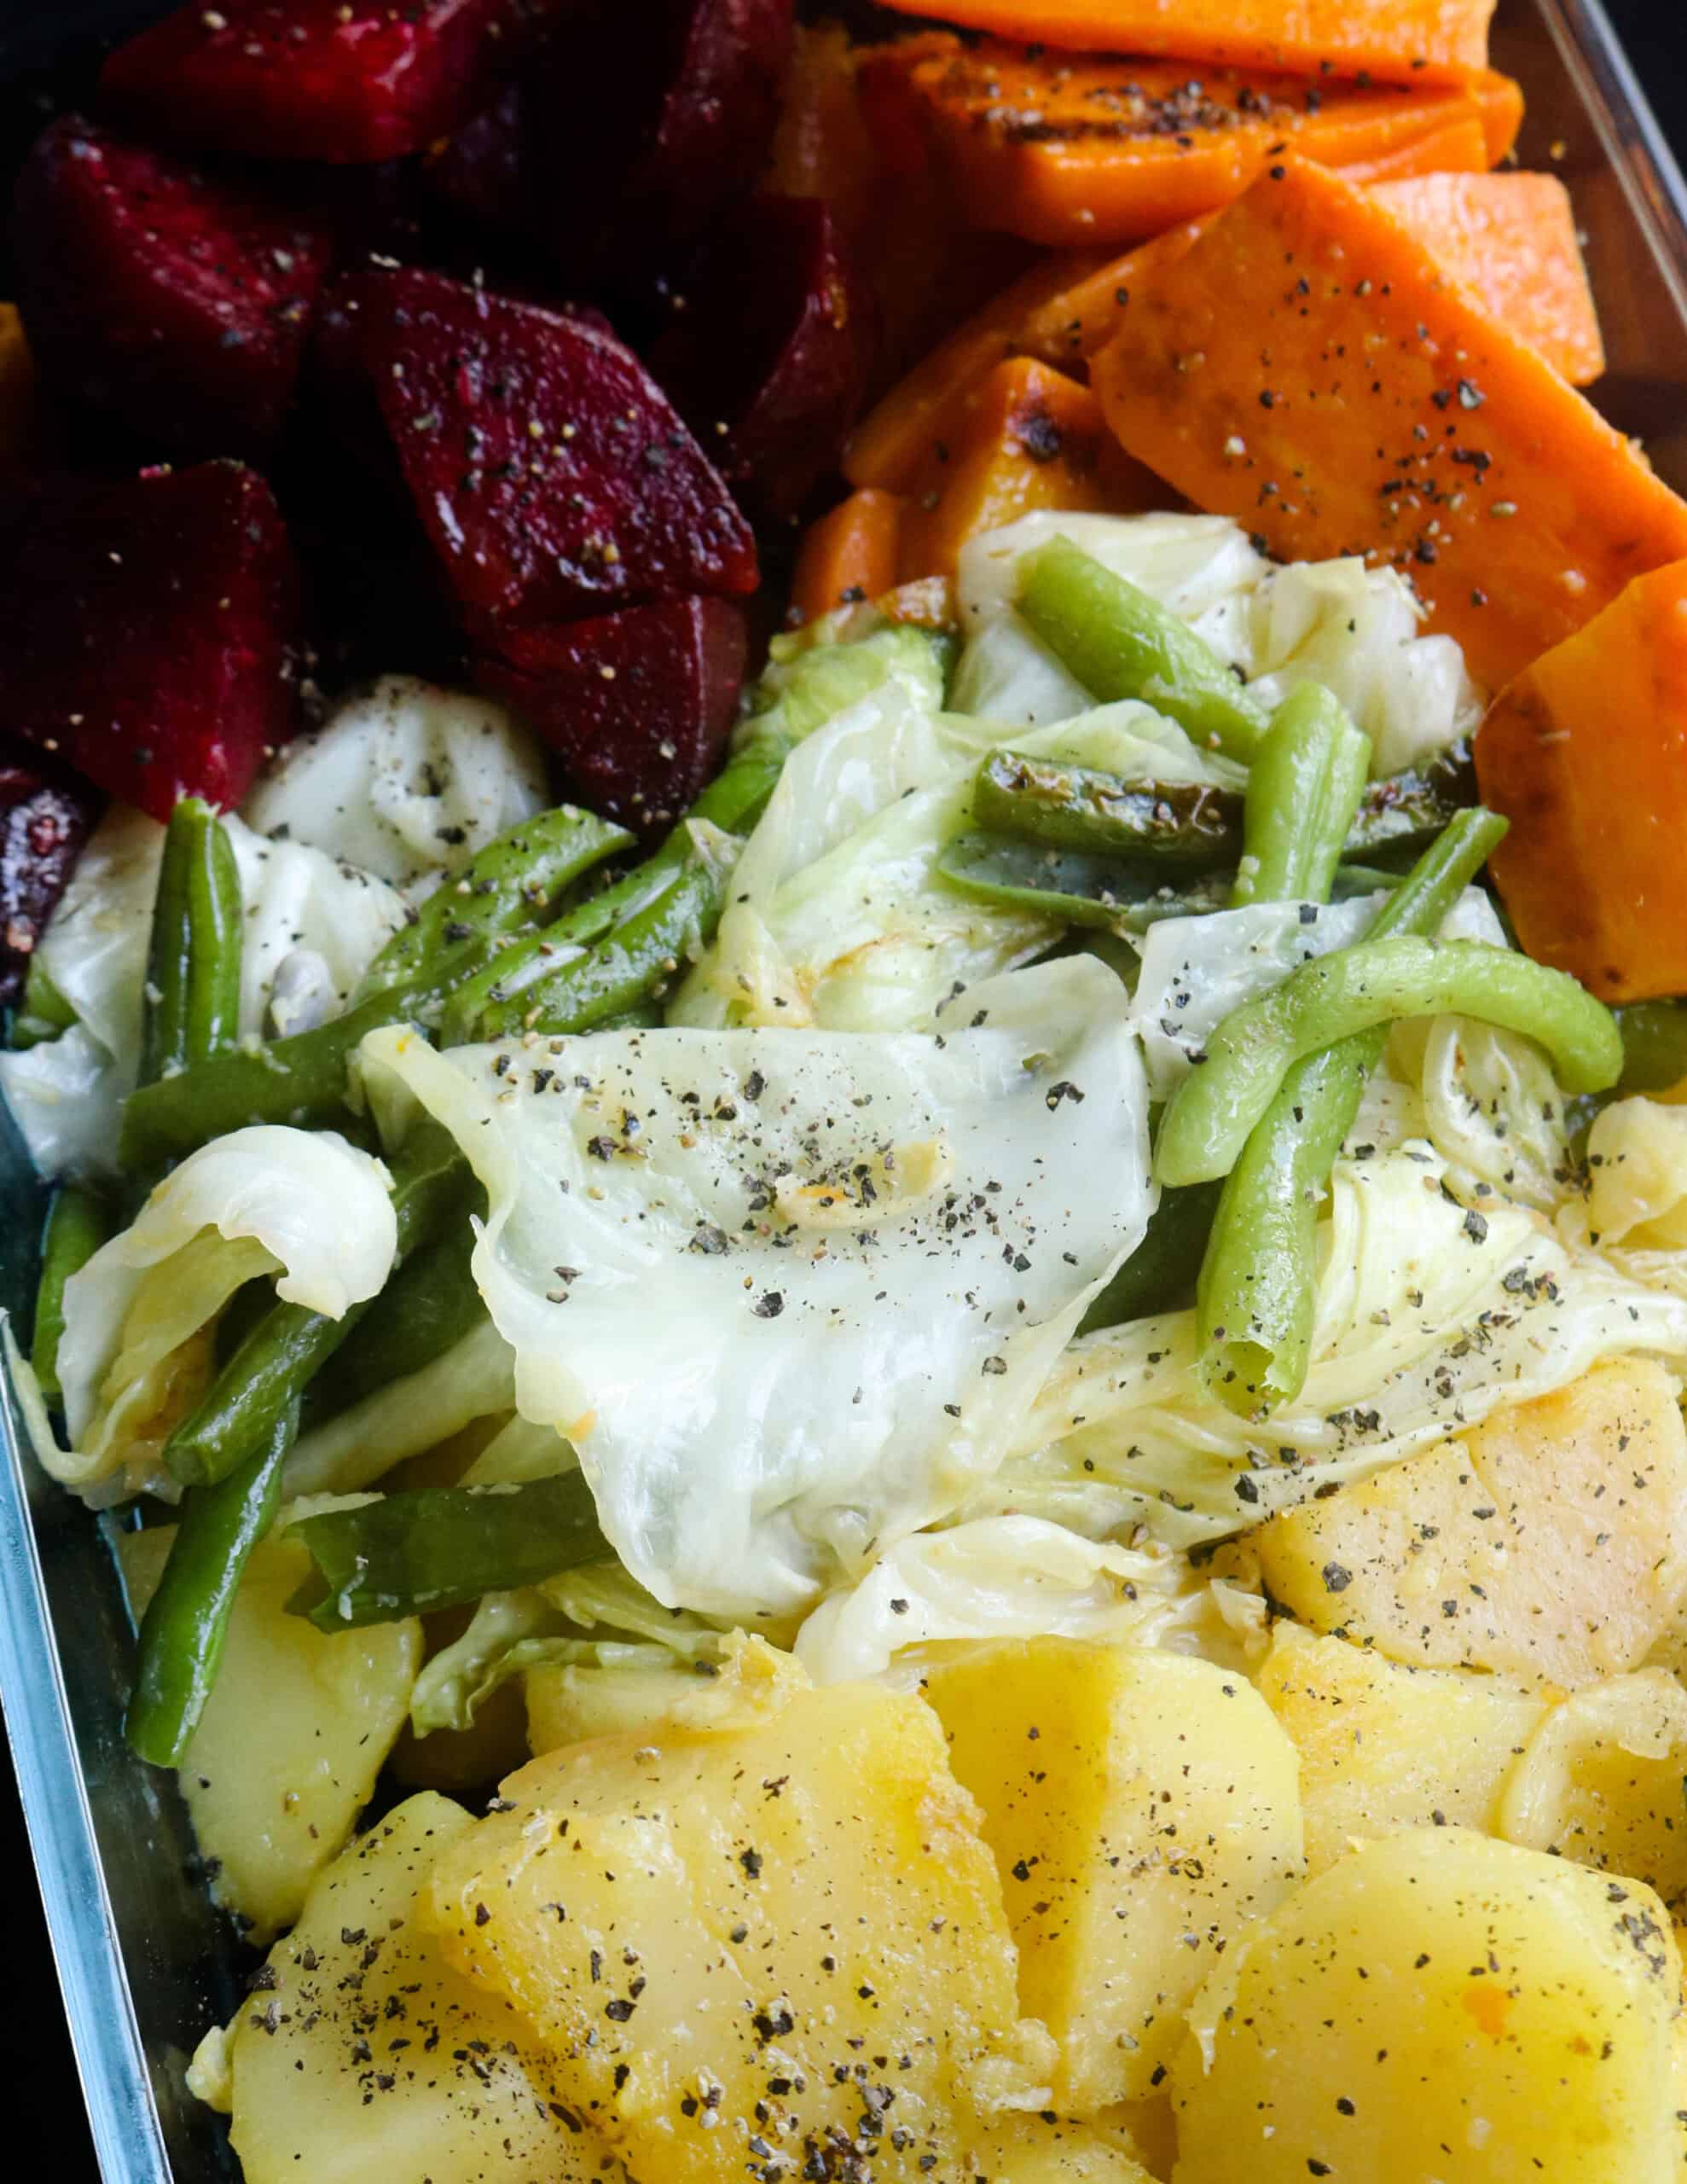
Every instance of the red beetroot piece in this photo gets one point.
(552, 473)
(637, 706)
(149, 631)
(648, 118)
(45, 816)
(174, 301)
(346, 81)
(485, 174)
(775, 344)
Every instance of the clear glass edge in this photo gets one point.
(104, 2033)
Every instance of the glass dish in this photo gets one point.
(145, 1959)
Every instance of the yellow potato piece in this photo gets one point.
(293, 1736)
(1603, 1779)
(1437, 2008)
(752, 1682)
(1384, 1746)
(736, 1944)
(1039, 2150)
(1141, 1806)
(362, 2056)
(1550, 1543)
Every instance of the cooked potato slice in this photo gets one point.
(1550, 1543)
(1602, 1782)
(362, 2054)
(738, 1942)
(1437, 2006)
(749, 1682)
(1141, 1806)
(295, 1731)
(1384, 1746)
(1037, 2150)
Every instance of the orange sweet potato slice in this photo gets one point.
(1397, 41)
(1585, 754)
(1309, 369)
(849, 555)
(1512, 239)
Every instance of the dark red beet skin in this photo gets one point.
(45, 816)
(637, 706)
(339, 80)
(150, 631)
(775, 344)
(178, 302)
(552, 475)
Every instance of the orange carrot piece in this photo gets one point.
(1070, 151)
(1024, 438)
(1309, 369)
(848, 555)
(1060, 312)
(1512, 238)
(924, 603)
(1499, 99)
(1395, 41)
(1587, 754)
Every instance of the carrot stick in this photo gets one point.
(1309, 369)
(848, 554)
(1393, 41)
(1512, 238)
(1070, 150)
(1587, 754)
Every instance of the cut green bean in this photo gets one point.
(1119, 642)
(1654, 1045)
(1375, 982)
(428, 1305)
(187, 1621)
(1255, 1296)
(1160, 1274)
(193, 993)
(271, 1368)
(444, 1547)
(1303, 789)
(1082, 808)
(1402, 814)
(43, 1013)
(78, 1222)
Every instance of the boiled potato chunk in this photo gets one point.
(1141, 1807)
(296, 1727)
(1601, 1782)
(1550, 1543)
(770, 1940)
(362, 2055)
(1038, 2149)
(1384, 1746)
(751, 1681)
(1438, 2007)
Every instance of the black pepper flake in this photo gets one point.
(1337, 1577)
(1475, 1227)
(483, 1917)
(768, 1306)
(751, 1862)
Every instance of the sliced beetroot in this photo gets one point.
(150, 628)
(174, 301)
(45, 816)
(771, 356)
(552, 475)
(487, 174)
(341, 80)
(637, 706)
(649, 118)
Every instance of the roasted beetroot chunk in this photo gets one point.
(149, 632)
(45, 819)
(649, 118)
(177, 302)
(552, 475)
(775, 345)
(346, 81)
(637, 706)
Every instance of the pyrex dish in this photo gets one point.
(145, 1959)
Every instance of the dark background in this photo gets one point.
(1655, 35)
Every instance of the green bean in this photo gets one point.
(1119, 642)
(1654, 1045)
(1082, 808)
(503, 887)
(1159, 1275)
(43, 1011)
(430, 1302)
(442, 1547)
(1210, 1114)
(77, 1223)
(1303, 789)
(187, 1619)
(1257, 1275)
(1404, 812)
(271, 1368)
(193, 992)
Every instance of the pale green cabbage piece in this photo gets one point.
(474, 1378)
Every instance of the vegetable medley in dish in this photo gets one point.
(841, 908)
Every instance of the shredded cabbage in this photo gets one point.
(474, 1378)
